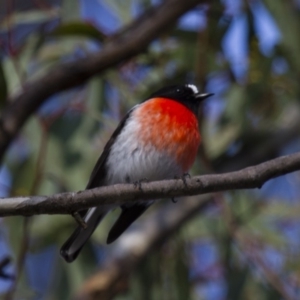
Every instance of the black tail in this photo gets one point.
(72, 247)
(127, 217)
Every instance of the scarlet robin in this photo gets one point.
(157, 139)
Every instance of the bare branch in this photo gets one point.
(122, 46)
(67, 203)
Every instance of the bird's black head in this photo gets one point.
(187, 94)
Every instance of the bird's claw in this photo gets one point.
(138, 183)
(79, 220)
(184, 177)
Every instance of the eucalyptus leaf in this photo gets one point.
(81, 29)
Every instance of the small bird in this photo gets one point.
(157, 139)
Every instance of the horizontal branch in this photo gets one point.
(66, 203)
(122, 46)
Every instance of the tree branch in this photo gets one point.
(122, 46)
(67, 203)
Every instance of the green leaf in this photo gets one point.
(123, 9)
(29, 16)
(287, 19)
(77, 28)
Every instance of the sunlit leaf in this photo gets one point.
(82, 29)
(29, 16)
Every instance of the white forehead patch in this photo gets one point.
(193, 88)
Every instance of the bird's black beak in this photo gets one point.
(201, 97)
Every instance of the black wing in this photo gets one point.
(99, 172)
(72, 247)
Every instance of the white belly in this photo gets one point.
(130, 160)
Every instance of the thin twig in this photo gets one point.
(40, 164)
(24, 244)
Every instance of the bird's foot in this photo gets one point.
(138, 183)
(79, 220)
(184, 177)
(174, 200)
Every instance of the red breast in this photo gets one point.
(171, 127)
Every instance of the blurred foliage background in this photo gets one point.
(244, 246)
